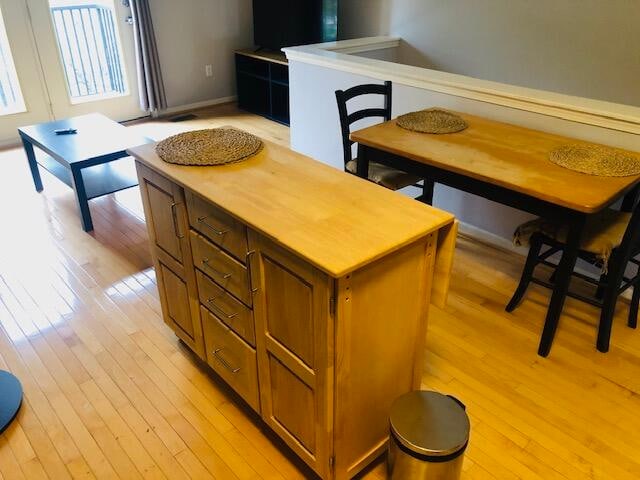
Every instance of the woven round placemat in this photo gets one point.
(216, 146)
(432, 120)
(596, 160)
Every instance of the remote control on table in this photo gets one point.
(66, 131)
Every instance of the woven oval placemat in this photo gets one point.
(432, 120)
(216, 146)
(596, 160)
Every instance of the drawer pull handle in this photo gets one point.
(247, 260)
(225, 364)
(174, 218)
(219, 310)
(212, 227)
(205, 262)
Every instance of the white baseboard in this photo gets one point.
(489, 238)
(10, 143)
(194, 106)
(15, 141)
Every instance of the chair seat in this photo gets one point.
(385, 176)
(602, 233)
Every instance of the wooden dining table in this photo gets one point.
(507, 164)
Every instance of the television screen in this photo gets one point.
(286, 23)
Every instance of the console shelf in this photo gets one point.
(263, 84)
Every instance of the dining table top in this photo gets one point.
(506, 155)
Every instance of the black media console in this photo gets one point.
(263, 83)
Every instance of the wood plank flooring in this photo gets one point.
(111, 393)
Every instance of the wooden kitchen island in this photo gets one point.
(305, 289)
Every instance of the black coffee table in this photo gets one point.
(93, 161)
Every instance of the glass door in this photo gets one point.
(62, 58)
(23, 98)
(86, 49)
(11, 99)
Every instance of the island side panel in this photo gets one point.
(381, 318)
(447, 236)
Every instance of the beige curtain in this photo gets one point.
(150, 85)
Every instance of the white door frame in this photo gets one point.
(40, 71)
(124, 107)
(28, 69)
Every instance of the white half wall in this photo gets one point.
(315, 128)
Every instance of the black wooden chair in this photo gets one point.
(383, 175)
(611, 240)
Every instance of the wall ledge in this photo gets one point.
(194, 106)
(338, 56)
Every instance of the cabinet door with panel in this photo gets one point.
(167, 224)
(176, 295)
(294, 339)
(164, 207)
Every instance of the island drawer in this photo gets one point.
(223, 269)
(233, 313)
(231, 358)
(219, 227)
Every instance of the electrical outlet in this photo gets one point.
(208, 70)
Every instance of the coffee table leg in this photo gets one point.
(33, 165)
(81, 198)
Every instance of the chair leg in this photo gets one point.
(427, 193)
(606, 320)
(527, 272)
(600, 289)
(633, 307)
(611, 293)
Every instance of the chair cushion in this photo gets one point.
(388, 177)
(602, 233)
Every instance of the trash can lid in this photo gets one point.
(429, 423)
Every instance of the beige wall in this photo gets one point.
(588, 48)
(194, 33)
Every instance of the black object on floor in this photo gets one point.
(183, 118)
(10, 398)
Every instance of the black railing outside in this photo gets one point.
(88, 44)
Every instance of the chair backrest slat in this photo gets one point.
(347, 119)
(366, 113)
(365, 89)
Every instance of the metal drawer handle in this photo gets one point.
(224, 363)
(174, 218)
(215, 229)
(205, 262)
(228, 316)
(247, 260)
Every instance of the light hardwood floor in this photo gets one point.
(110, 392)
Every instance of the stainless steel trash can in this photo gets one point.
(429, 434)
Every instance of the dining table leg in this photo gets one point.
(362, 165)
(630, 199)
(563, 278)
